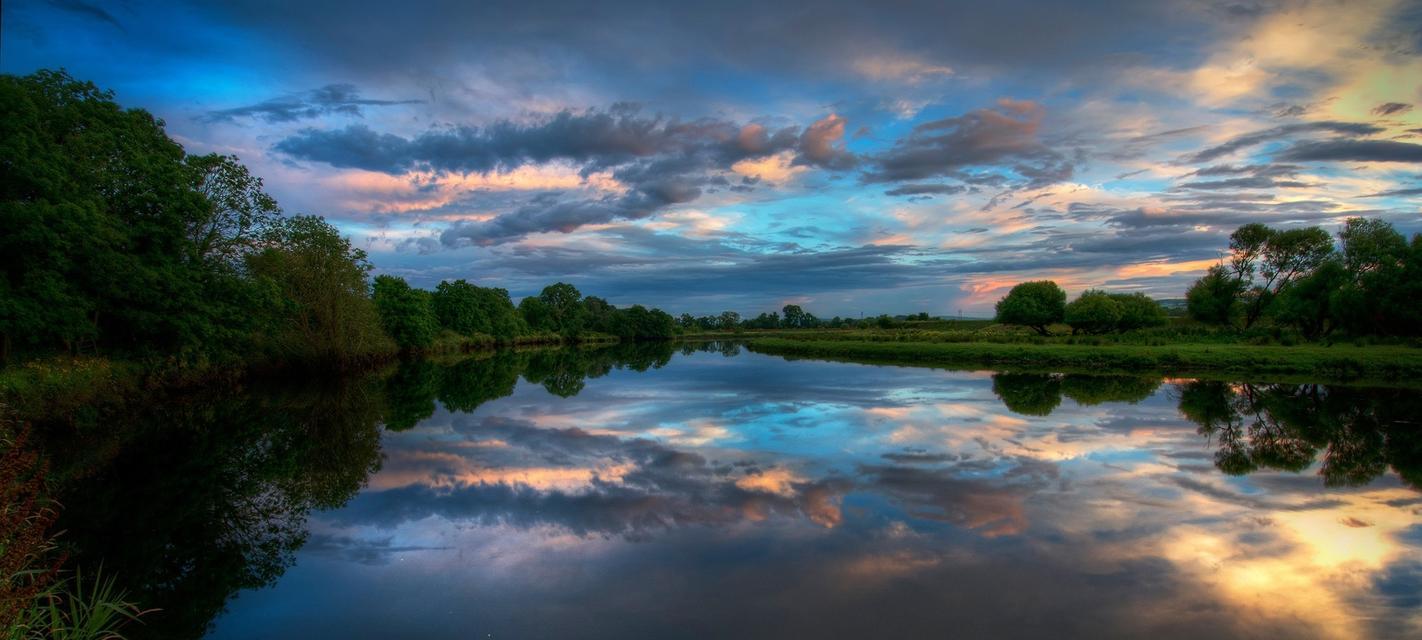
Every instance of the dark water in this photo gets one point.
(710, 492)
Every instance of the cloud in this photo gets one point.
(822, 144)
(922, 189)
(1391, 108)
(1269, 176)
(1353, 151)
(663, 161)
(999, 142)
(82, 8)
(1259, 137)
(331, 99)
(1411, 191)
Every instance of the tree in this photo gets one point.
(729, 320)
(1093, 312)
(564, 307)
(794, 316)
(456, 306)
(1035, 304)
(1214, 299)
(1138, 311)
(1277, 257)
(324, 309)
(407, 314)
(1309, 303)
(238, 213)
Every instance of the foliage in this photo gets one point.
(1368, 285)
(1093, 312)
(407, 314)
(1033, 304)
(322, 310)
(1215, 298)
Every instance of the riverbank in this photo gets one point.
(1338, 362)
(69, 385)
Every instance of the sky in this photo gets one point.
(845, 156)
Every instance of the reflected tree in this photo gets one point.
(209, 495)
(1357, 432)
(1031, 394)
(1039, 394)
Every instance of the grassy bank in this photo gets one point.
(1393, 364)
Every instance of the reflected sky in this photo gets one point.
(751, 496)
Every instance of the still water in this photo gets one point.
(706, 491)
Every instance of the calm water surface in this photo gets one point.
(712, 492)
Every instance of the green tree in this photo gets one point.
(456, 305)
(564, 308)
(793, 316)
(1138, 311)
(323, 312)
(1035, 304)
(1093, 312)
(1215, 298)
(406, 313)
(1310, 303)
(96, 203)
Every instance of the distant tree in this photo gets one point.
(1093, 312)
(763, 321)
(729, 320)
(565, 309)
(1138, 311)
(407, 314)
(1035, 304)
(598, 315)
(793, 317)
(535, 314)
(884, 321)
(1215, 298)
(456, 305)
(687, 321)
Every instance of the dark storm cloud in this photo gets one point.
(996, 142)
(916, 189)
(1391, 108)
(331, 99)
(1276, 133)
(595, 139)
(1353, 151)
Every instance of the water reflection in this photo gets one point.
(580, 493)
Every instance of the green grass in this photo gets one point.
(1390, 364)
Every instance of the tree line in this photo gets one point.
(117, 241)
(1040, 304)
(1368, 283)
